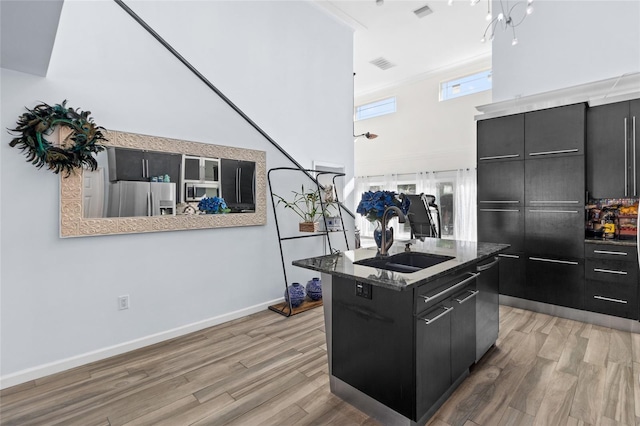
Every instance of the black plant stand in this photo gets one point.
(285, 308)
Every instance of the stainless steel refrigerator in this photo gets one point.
(130, 198)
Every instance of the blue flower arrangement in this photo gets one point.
(372, 204)
(213, 205)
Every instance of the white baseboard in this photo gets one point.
(86, 358)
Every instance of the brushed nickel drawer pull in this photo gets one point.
(609, 271)
(512, 256)
(501, 202)
(500, 210)
(556, 202)
(496, 157)
(608, 299)
(564, 262)
(471, 296)
(437, 317)
(615, 253)
(561, 151)
(553, 211)
(453, 287)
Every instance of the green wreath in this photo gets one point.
(75, 151)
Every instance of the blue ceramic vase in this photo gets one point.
(314, 289)
(377, 236)
(297, 294)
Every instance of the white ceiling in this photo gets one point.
(448, 37)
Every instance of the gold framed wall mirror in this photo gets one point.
(151, 184)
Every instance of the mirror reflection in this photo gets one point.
(142, 183)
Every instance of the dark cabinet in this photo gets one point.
(463, 337)
(504, 225)
(237, 179)
(611, 274)
(501, 138)
(555, 181)
(137, 165)
(613, 154)
(512, 275)
(501, 182)
(555, 231)
(433, 357)
(558, 281)
(555, 131)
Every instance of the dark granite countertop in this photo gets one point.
(464, 253)
(628, 243)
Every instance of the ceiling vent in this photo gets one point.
(423, 11)
(382, 63)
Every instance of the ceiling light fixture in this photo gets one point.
(506, 18)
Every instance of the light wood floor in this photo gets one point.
(266, 369)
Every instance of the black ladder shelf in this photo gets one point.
(285, 308)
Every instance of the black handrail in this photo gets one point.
(220, 94)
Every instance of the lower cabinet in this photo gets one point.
(512, 275)
(611, 285)
(445, 346)
(556, 281)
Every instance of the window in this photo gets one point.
(474, 83)
(375, 109)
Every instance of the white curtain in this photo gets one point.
(464, 206)
(427, 184)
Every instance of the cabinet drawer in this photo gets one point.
(614, 271)
(611, 252)
(555, 181)
(609, 298)
(555, 231)
(512, 274)
(429, 294)
(556, 281)
(501, 183)
(501, 224)
(555, 131)
(501, 139)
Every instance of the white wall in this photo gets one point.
(286, 64)
(424, 134)
(566, 43)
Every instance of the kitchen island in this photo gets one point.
(400, 337)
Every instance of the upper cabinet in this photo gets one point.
(555, 131)
(613, 154)
(142, 166)
(501, 138)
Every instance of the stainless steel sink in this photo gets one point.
(406, 262)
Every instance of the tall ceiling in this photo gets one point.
(447, 37)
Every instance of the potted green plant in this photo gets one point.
(306, 204)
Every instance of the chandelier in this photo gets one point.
(510, 16)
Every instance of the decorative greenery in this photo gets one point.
(373, 204)
(40, 121)
(213, 205)
(305, 204)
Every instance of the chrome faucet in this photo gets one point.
(383, 221)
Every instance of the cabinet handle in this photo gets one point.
(616, 253)
(608, 299)
(635, 177)
(553, 211)
(471, 296)
(484, 267)
(453, 287)
(143, 173)
(500, 202)
(609, 271)
(561, 151)
(626, 173)
(500, 210)
(437, 317)
(496, 157)
(555, 202)
(512, 256)
(564, 262)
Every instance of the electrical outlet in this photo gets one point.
(123, 302)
